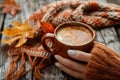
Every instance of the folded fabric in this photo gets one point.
(103, 65)
(93, 13)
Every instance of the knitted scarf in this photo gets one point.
(94, 14)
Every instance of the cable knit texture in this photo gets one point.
(103, 65)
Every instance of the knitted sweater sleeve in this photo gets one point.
(104, 64)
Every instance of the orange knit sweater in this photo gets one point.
(103, 65)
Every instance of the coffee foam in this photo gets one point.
(73, 35)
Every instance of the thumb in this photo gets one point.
(79, 55)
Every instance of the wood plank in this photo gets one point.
(1, 27)
(8, 20)
(1, 22)
(114, 45)
(2, 16)
(52, 72)
(110, 37)
(107, 36)
(114, 1)
(99, 36)
(2, 58)
(28, 9)
(117, 28)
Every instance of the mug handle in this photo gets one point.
(44, 44)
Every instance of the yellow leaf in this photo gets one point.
(16, 24)
(31, 34)
(9, 32)
(21, 42)
(25, 26)
(19, 32)
(10, 41)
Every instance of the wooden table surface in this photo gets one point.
(109, 36)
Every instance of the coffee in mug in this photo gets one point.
(70, 35)
(73, 35)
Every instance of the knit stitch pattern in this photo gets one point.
(104, 64)
(95, 14)
(92, 13)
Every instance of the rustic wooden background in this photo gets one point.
(109, 36)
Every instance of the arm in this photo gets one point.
(103, 64)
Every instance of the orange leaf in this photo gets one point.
(10, 6)
(12, 2)
(47, 27)
(36, 16)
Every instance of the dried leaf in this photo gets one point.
(36, 16)
(19, 32)
(10, 6)
(18, 29)
(10, 32)
(47, 27)
(16, 24)
(21, 42)
(28, 34)
(25, 26)
(10, 41)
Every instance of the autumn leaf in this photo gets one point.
(47, 27)
(18, 31)
(36, 16)
(16, 24)
(10, 41)
(21, 41)
(10, 32)
(10, 6)
(24, 26)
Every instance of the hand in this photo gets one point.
(71, 67)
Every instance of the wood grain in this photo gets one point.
(114, 1)
(109, 36)
(2, 16)
(22, 16)
(116, 45)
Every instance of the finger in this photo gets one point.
(71, 64)
(71, 72)
(79, 55)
